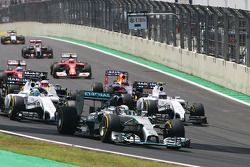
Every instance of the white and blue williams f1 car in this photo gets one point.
(36, 99)
(154, 102)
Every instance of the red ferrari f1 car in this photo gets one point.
(15, 68)
(70, 67)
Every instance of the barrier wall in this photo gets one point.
(228, 74)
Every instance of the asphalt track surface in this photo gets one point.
(224, 142)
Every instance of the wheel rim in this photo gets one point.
(59, 122)
(102, 129)
(11, 107)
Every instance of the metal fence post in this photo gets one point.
(216, 34)
(225, 48)
(237, 40)
(248, 42)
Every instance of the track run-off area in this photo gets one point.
(223, 142)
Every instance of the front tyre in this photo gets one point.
(197, 109)
(108, 124)
(87, 68)
(173, 128)
(16, 105)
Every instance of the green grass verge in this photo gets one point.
(75, 156)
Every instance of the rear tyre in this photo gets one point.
(73, 94)
(3, 77)
(67, 118)
(50, 52)
(13, 89)
(108, 124)
(24, 52)
(127, 100)
(151, 106)
(97, 87)
(174, 128)
(110, 90)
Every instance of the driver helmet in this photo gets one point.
(34, 91)
(121, 78)
(37, 45)
(44, 83)
(71, 60)
(123, 109)
(162, 95)
(19, 69)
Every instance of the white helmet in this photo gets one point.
(44, 83)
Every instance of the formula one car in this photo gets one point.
(36, 99)
(14, 68)
(117, 124)
(118, 86)
(37, 50)
(158, 105)
(70, 67)
(12, 38)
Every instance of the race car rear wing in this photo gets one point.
(16, 62)
(11, 32)
(69, 55)
(83, 95)
(34, 41)
(145, 87)
(35, 75)
(115, 73)
(16, 81)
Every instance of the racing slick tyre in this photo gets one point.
(173, 128)
(50, 53)
(55, 69)
(151, 106)
(16, 105)
(52, 68)
(127, 100)
(197, 109)
(97, 87)
(22, 39)
(73, 94)
(87, 68)
(110, 90)
(24, 52)
(67, 118)
(3, 40)
(109, 123)
(13, 89)
(3, 77)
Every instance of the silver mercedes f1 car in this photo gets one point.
(115, 123)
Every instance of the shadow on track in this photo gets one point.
(20, 129)
(219, 148)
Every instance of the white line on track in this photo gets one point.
(96, 149)
(152, 68)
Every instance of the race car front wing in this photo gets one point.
(169, 142)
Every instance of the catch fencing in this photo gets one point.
(215, 31)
